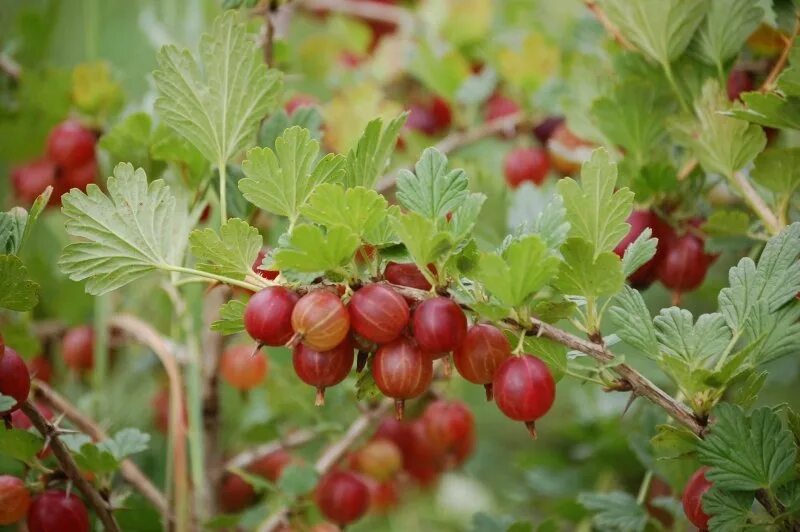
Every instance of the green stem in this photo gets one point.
(728, 351)
(223, 206)
(671, 79)
(220, 278)
(582, 377)
(645, 487)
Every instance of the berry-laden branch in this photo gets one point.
(293, 439)
(460, 139)
(130, 472)
(331, 456)
(69, 466)
(634, 381)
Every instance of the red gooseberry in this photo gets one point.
(31, 179)
(15, 381)
(401, 372)
(40, 368)
(685, 264)
(423, 460)
(80, 176)
(70, 144)
(2, 345)
(739, 81)
(235, 494)
(342, 497)
(567, 151)
(692, 498)
(15, 499)
(447, 423)
(77, 348)
(323, 369)
(241, 368)
(524, 389)
(499, 106)
(271, 466)
(57, 510)
(526, 164)
(266, 274)
(406, 274)
(320, 320)
(545, 129)
(640, 220)
(383, 496)
(268, 315)
(479, 355)
(378, 313)
(439, 325)
(379, 459)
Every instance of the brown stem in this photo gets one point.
(459, 139)
(293, 439)
(609, 26)
(377, 11)
(777, 68)
(269, 36)
(70, 468)
(331, 455)
(129, 470)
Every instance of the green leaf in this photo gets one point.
(465, 216)
(424, 242)
(281, 181)
(6, 402)
(298, 479)
(595, 211)
(216, 103)
(747, 452)
(584, 274)
(671, 442)
(359, 209)
(125, 443)
(552, 224)
(632, 117)
(168, 146)
(17, 291)
(779, 331)
(727, 223)
(552, 353)
(729, 511)
(523, 269)
(639, 252)
(310, 249)
(12, 229)
(443, 73)
(692, 342)
(126, 234)
(769, 109)
(615, 511)
(39, 204)
(661, 29)
(789, 80)
(368, 159)
(432, 190)
(306, 117)
(722, 144)
(778, 169)
(129, 140)
(366, 389)
(231, 253)
(775, 280)
(20, 444)
(231, 318)
(633, 323)
(94, 458)
(727, 26)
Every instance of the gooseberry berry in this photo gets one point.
(241, 368)
(235, 494)
(382, 495)
(320, 320)
(479, 355)
(447, 423)
(323, 369)
(406, 274)
(379, 459)
(524, 389)
(439, 325)
(271, 466)
(32, 178)
(526, 164)
(40, 368)
(80, 176)
(266, 274)
(739, 81)
(70, 144)
(15, 381)
(77, 348)
(15, 499)
(685, 264)
(378, 313)
(640, 220)
(268, 315)
(401, 372)
(57, 510)
(499, 106)
(692, 498)
(342, 497)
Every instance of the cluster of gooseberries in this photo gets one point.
(400, 342)
(680, 262)
(69, 162)
(53, 509)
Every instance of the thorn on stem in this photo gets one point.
(631, 399)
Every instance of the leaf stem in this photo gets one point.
(755, 202)
(671, 79)
(223, 190)
(644, 488)
(727, 352)
(221, 278)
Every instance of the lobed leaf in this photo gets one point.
(368, 159)
(585, 274)
(679, 337)
(359, 209)
(725, 29)
(431, 190)
(17, 291)
(231, 318)
(310, 249)
(633, 323)
(231, 253)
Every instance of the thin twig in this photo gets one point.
(460, 139)
(269, 35)
(70, 468)
(291, 440)
(777, 68)
(609, 26)
(130, 471)
(756, 203)
(381, 12)
(331, 456)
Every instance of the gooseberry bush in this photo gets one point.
(342, 255)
